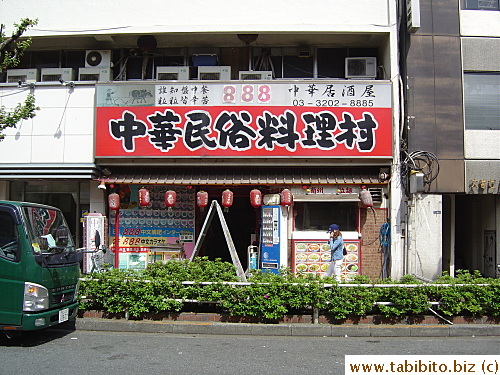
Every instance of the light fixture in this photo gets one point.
(384, 175)
(102, 185)
(71, 84)
(106, 172)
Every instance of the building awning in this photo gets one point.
(35, 171)
(242, 176)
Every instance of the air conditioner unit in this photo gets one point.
(360, 67)
(22, 75)
(256, 74)
(172, 73)
(412, 15)
(97, 59)
(215, 73)
(95, 74)
(57, 74)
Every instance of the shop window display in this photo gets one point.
(315, 216)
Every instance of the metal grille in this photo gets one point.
(16, 79)
(376, 194)
(210, 76)
(168, 76)
(51, 77)
(89, 77)
(251, 76)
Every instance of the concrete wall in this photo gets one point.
(425, 236)
(479, 23)
(130, 16)
(61, 132)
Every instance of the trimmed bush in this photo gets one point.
(169, 287)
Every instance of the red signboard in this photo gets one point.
(247, 131)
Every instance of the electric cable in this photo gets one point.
(424, 162)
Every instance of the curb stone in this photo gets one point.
(292, 329)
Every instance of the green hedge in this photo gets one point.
(169, 287)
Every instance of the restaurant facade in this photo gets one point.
(202, 136)
(242, 137)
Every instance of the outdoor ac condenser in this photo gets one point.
(95, 74)
(255, 74)
(214, 73)
(172, 73)
(57, 74)
(22, 75)
(361, 67)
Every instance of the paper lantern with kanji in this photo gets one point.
(170, 199)
(286, 198)
(227, 199)
(202, 199)
(144, 198)
(256, 198)
(366, 198)
(114, 201)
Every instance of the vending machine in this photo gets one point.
(273, 239)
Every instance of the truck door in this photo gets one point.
(11, 269)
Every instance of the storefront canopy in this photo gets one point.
(222, 175)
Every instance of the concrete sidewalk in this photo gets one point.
(291, 329)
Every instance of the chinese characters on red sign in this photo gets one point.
(277, 120)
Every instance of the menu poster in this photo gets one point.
(154, 225)
(143, 228)
(313, 257)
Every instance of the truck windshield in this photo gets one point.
(49, 234)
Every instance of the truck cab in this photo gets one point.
(39, 267)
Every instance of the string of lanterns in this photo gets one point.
(201, 198)
(201, 201)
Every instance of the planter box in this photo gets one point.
(355, 320)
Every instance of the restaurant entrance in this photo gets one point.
(242, 221)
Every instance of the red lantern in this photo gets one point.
(286, 198)
(170, 198)
(202, 199)
(366, 198)
(114, 201)
(256, 198)
(227, 199)
(144, 198)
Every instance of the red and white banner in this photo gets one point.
(280, 120)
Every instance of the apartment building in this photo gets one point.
(451, 71)
(288, 115)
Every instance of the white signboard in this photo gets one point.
(93, 223)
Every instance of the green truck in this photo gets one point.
(39, 268)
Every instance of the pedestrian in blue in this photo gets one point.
(336, 243)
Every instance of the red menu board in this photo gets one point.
(313, 257)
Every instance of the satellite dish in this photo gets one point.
(94, 58)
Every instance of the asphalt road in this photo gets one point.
(119, 353)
